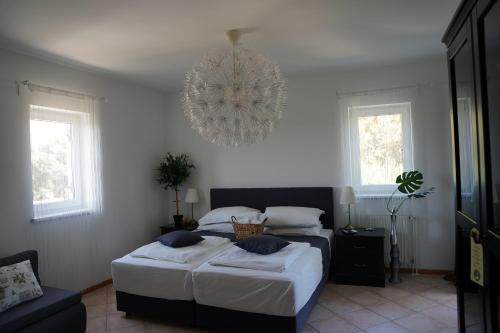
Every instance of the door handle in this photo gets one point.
(477, 236)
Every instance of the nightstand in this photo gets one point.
(169, 228)
(359, 258)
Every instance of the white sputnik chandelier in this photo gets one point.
(234, 96)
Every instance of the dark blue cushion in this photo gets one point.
(262, 244)
(24, 314)
(180, 238)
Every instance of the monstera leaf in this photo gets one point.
(409, 182)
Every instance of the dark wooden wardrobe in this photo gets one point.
(473, 42)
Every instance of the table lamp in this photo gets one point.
(192, 198)
(348, 198)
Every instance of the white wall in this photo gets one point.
(305, 149)
(76, 253)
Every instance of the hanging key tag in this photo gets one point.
(476, 258)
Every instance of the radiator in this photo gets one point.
(408, 228)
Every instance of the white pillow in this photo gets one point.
(286, 216)
(308, 231)
(18, 284)
(217, 227)
(224, 214)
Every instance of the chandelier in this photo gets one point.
(234, 96)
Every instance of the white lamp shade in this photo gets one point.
(192, 196)
(347, 196)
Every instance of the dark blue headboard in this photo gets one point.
(260, 198)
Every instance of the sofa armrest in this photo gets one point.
(31, 255)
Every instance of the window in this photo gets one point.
(62, 163)
(380, 146)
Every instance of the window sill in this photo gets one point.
(60, 216)
(380, 196)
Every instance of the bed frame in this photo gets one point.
(193, 314)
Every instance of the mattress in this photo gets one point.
(271, 293)
(157, 278)
(328, 234)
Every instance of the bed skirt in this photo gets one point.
(172, 311)
(204, 316)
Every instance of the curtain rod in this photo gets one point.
(56, 91)
(372, 91)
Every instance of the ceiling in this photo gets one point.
(155, 42)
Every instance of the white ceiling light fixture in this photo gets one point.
(234, 96)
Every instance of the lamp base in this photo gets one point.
(349, 232)
(349, 227)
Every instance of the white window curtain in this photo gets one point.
(93, 155)
(373, 205)
(349, 100)
(82, 112)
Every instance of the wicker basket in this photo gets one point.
(244, 230)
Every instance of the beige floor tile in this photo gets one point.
(452, 304)
(96, 325)
(348, 290)
(319, 313)
(94, 311)
(110, 290)
(100, 291)
(392, 293)
(364, 318)
(307, 329)
(367, 298)
(118, 321)
(99, 299)
(334, 325)
(431, 280)
(161, 327)
(420, 323)
(133, 329)
(111, 298)
(416, 302)
(391, 310)
(413, 286)
(341, 305)
(326, 296)
(111, 309)
(442, 294)
(388, 327)
(443, 314)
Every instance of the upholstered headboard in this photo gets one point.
(260, 198)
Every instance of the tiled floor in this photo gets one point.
(420, 304)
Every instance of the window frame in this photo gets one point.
(354, 113)
(75, 206)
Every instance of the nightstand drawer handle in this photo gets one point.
(359, 247)
(360, 265)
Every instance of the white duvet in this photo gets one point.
(181, 255)
(275, 262)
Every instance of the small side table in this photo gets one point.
(359, 258)
(169, 228)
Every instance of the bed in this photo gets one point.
(288, 316)
(222, 318)
(156, 287)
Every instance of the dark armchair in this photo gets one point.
(58, 310)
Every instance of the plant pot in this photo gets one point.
(178, 220)
(395, 264)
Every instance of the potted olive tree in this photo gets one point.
(173, 171)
